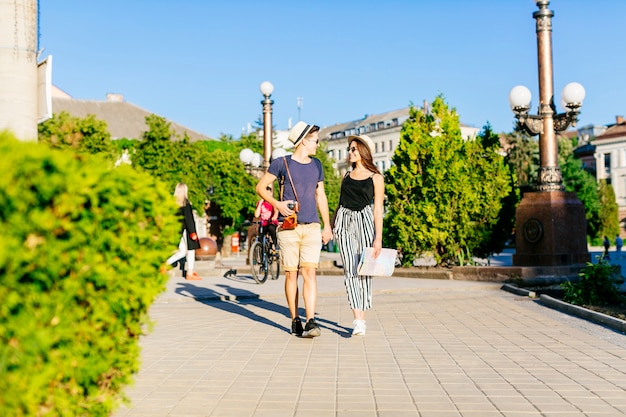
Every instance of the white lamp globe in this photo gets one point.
(278, 153)
(257, 159)
(266, 88)
(245, 156)
(573, 93)
(519, 96)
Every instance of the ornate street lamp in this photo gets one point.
(550, 223)
(545, 124)
(252, 162)
(266, 89)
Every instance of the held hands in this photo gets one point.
(327, 235)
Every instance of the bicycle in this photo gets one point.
(262, 261)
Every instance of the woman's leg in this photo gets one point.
(180, 254)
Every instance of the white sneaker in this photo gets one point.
(359, 328)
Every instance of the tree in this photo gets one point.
(609, 219)
(578, 180)
(496, 237)
(444, 194)
(84, 135)
(523, 155)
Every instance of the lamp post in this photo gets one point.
(252, 162)
(550, 223)
(266, 89)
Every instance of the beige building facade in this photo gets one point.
(384, 130)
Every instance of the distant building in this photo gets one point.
(602, 150)
(384, 130)
(123, 119)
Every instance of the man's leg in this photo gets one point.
(291, 292)
(309, 291)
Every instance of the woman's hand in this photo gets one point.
(377, 246)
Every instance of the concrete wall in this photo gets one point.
(18, 67)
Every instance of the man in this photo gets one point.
(300, 247)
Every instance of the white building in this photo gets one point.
(384, 130)
(603, 151)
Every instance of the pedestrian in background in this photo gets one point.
(268, 218)
(607, 245)
(618, 246)
(359, 224)
(189, 241)
(302, 179)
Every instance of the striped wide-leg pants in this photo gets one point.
(353, 232)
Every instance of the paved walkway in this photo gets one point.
(434, 348)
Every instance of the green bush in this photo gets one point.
(81, 260)
(597, 286)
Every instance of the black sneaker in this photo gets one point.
(296, 327)
(311, 329)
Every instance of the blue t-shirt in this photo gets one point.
(305, 178)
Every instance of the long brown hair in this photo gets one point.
(366, 156)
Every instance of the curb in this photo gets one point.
(599, 318)
(574, 310)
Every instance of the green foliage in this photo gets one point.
(201, 165)
(495, 237)
(608, 214)
(80, 263)
(577, 180)
(522, 153)
(332, 181)
(444, 194)
(597, 286)
(87, 135)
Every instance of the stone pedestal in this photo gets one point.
(550, 230)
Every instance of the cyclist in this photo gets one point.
(268, 217)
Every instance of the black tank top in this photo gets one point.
(356, 194)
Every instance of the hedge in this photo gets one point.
(82, 248)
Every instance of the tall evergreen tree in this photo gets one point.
(609, 218)
(444, 193)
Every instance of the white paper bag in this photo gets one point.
(382, 266)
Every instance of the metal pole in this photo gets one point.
(267, 131)
(549, 176)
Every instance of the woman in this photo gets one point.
(358, 224)
(189, 241)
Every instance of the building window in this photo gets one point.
(382, 146)
(607, 165)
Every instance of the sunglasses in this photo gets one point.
(352, 149)
(317, 141)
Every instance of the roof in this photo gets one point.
(615, 131)
(123, 119)
(374, 122)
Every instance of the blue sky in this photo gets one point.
(200, 63)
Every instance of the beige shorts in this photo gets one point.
(300, 247)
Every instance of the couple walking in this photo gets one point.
(358, 222)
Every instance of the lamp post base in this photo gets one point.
(551, 230)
